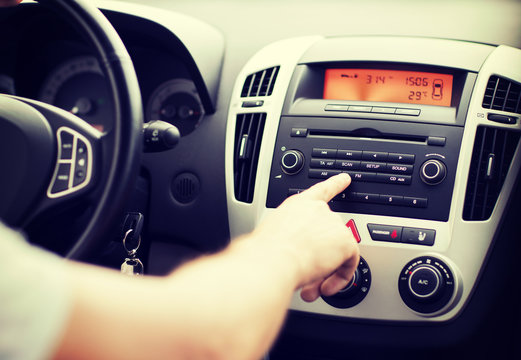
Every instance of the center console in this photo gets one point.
(428, 130)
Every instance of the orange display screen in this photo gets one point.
(411, 87)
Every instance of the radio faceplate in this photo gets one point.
(397, 168)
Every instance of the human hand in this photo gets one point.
(325, 250)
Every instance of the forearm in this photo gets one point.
(225, 306)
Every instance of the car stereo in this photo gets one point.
(396, 129)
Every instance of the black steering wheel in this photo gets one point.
(49, 158)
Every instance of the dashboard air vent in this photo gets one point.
(260, 83)
(502, 94)
(248, 136)
(491, 158)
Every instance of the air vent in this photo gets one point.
(502, 94)
(248, 137)
(491, 157)
(261, 83)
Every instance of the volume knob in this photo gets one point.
(433, 172)
(292, 162)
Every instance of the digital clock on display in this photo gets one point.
(411, 87)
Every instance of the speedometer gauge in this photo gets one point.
(79, 86)
(177, 102)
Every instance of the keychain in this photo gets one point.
(132, 266)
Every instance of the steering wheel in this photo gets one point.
(49, 158)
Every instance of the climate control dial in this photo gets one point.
(355, 291)
(426, 284)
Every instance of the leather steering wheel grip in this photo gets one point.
(126, 135)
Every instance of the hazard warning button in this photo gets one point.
(385, 232)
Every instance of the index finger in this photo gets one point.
(328, 189)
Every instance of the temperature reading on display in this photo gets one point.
(388, 86)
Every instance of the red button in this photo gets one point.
(351, 225)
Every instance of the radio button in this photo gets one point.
(374, 156)
(373, 166)
(333, 107)
(322, 163)
(410, 112)
(415, 202)
(394, 179)
(391, 199)
(361, 176)
(401, 158)
(400, 168)
(322, 174)
(383, 110)
(349, 154)
(324, 153)
(358, 108)
(367, 198)
(347, 164)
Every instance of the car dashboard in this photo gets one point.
(427, 127)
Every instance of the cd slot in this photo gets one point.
(367, 133)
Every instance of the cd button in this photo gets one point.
(324, 153)
(374, 156)
(349, 154)
(394, 179)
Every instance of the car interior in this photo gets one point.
(181, 124)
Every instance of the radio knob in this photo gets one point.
(433, 172)
(292, 162)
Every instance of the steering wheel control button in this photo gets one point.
(418, 236)
(66, 143)
(426, 284)
(355, 291)
(385, 232)
(62, 180)
(72, 172)
(292, 162)
(433, 172)
(352, 226)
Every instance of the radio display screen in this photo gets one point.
(398, 86)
